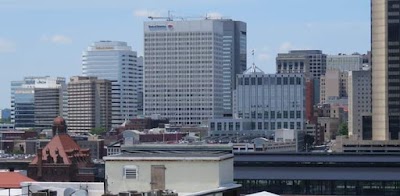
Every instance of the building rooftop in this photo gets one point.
(174, 152)
(61, 145)
(12, 180)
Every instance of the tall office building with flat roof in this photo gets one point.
(385, 28)
(359, 90)
(190, 68)
(89, 104)
(234, 59)
(36, 101)
(115, 61)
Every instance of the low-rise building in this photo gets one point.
(6, 127)
(233, 127)
(185, 169)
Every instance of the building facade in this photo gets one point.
(234, 59)
(115, 61)
(272, 101)
(333, 85)
(385, 69)
(359, 101)
(183, 70)
(310, 62)
(89, 104)
(343, 62)
(36, 101)
(186, 169)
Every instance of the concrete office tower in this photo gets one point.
(310, 62)
(385, 69)
(359, 101)
(183, 66)
(36, 101)
(89, 104)
(345, 62)
(139, 85)
(272, 101)
(115, 61)
(333, 85)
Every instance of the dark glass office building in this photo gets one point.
(385, 42)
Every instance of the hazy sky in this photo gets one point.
(47, 37)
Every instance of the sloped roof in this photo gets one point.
(12, 179)
(63, 143)
(264, 193)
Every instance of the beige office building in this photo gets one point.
(333, 85)
(385, 69)
(89, 104)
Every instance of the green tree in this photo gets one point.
(343, 129)
(98, 130)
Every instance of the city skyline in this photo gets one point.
(64, 30)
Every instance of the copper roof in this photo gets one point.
(12, 180)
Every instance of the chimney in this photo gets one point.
(39, 163)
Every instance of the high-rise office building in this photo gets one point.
(310, 62)
(190, 66)
(36, 101)
(272, 101)
(89, 104)
(115, 61)
(359, 101)
(343, 62)
(139, 85)
(234, 59)
(385, 69)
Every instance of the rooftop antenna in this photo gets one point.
(254, 64)
(253, 68)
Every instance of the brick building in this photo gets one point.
(62, 160)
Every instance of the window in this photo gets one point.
(246, 81)
(253, 81)
(237, 124)
(130, 172)
(259, 81)
(259, 125)
(266, 126)
(266, 115)
(285, 114)
(298, 114)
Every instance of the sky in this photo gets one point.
(47, 37)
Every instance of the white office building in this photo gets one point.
(115, 61)
(271, 101)
(344, 62)
(183, 67)
(360, 101)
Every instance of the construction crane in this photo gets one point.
(171, 17)
(168, 18)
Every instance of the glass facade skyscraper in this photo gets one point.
(115, 61)
(36, 101)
